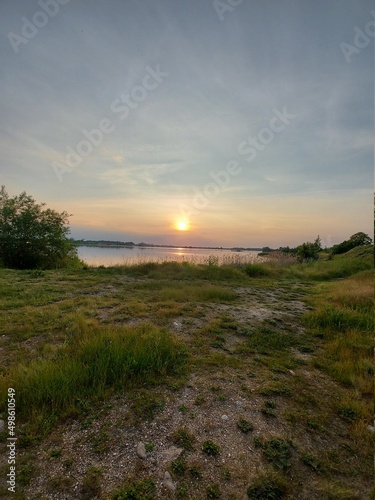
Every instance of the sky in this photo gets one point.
(251, 122)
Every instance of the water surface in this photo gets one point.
(111, 256)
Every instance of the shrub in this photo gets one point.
(357, 239)
(32, 236)
(309, 251)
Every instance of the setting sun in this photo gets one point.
(182, 225)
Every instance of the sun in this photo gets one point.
(182, 225)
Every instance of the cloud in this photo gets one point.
(225, 78)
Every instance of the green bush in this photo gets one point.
(31, 236)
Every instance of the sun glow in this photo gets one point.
(182, 225)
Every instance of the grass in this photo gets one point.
(75, 340)
(184, 438)
(278, 452)
(93, 359)
(135, 490)
(268, 486)
(343, 318)
(210, 448)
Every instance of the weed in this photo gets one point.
(25, 471)
(195, 471)
(268, 409)
(199, 400)
(146, 404)
(149, 447)
(213, 491)
(184, 438)
(245, 426)
(135, 490)
(210, 448)
(61, 483)
(312, 425)
(55, 453)
(313, 462)
(182, 491)
(178, 466)
(276, 389)
(99, 441)
(268, 486)
(91, 483)
(348, 412)
(277, 452)
(226, 474)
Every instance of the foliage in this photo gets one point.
(277, 452)
(136, 490)
(183, 438)
(245, 426)
(309, 251)
(210, 448)
(356, 240)
(268, 487)
(32, 236)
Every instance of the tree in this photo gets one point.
(359, 239)
(309, 251)
(356, 240)
(32, 236)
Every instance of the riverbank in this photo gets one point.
(192, 381)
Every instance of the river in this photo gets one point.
(112, 256)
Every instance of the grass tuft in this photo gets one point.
(95, 359)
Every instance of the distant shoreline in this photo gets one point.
(120, 244)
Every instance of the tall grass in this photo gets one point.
(343, 317)
(341, 266)
(93, 360)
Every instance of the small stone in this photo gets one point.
(167, 481)
(224, 417)
(141, 450)
(171, 453)
(2, 425)
(371, 428)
